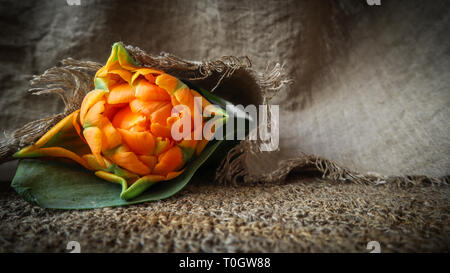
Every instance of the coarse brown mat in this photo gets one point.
(303, 214)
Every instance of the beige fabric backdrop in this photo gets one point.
(371, 92)
(371, 88)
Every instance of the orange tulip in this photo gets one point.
(124, 126)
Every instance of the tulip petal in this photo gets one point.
(173, 100)
(150, 78)
(62, 140)
(147, 73)
(76, 124)
(94, 114)
(185, 97)
(91, 98)
(188, 149)
(111, 137)
(93, 136)
(160, 130)
(101, 84)
(102, 72)
(110, 168)
(146, 107)
(149, 160)
(172, 175)
(162, 145)
(200, 146)
(91, 160)
(169, 161)
(122, 93)
(131, 162)
(147, 91)
(124, 58)
(169, 83)
(123, 74)
(112, 109)
(126, 119)
(142, 143)
(121, 56)
(160, 116)
(58, 152)
(112, 57)
(64, 125)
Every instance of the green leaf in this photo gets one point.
(60, 185)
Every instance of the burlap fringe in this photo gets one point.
(70, 81)
(73, 79)
(233, 170)
(225, 66)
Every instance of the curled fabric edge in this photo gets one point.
(234, 168)
(73, 79)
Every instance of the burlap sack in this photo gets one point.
(368, 101)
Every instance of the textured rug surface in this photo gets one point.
(303, 214)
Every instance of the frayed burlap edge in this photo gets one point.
(233, 170)
(70, 81)
(73, 79)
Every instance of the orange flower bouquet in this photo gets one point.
(127, 130)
